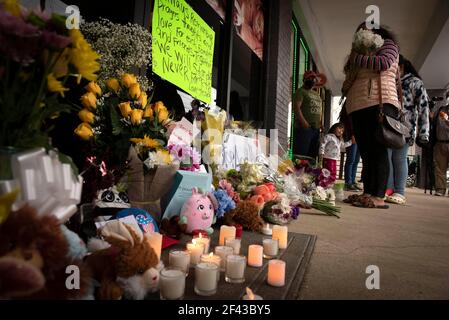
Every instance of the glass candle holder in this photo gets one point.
(223, 252)
(212, 258)
(270, 248)
(235, 268)
(206, 278)
(234, 243)
(179, 259)
(172, 284)
(195, 249)
(201, 238)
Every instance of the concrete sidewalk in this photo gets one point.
(409, 244)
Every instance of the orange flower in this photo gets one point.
(125, 109)
(143, 100)
(86, 116)
(148, 112)
(84, 131)
(134, 91)
(94, 88)
(89, 100)
(128, 79)
(136, 116)
(113, 84)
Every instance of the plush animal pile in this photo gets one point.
(35, 254)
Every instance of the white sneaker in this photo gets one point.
(439, 194)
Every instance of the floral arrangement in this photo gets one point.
(38, 57)
(189, 159)
(366, 41)
(281, 211)
(119, 116)
(123, 48)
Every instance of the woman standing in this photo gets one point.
(308, 109)
(368, 79)
(416, 109)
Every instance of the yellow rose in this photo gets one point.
(89, 100)
(94, 88)
(136, 116)
(128, 79)
(162, 115)
(148, 112)
(143, 99)
(158, 106)
(84, 131)
(134, 91)
(125, 109)
(113, 84)
(86, 116)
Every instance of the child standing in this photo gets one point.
(331, 146)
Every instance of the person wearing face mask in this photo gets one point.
(441, 148)
(308, 109)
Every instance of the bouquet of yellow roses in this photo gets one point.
(125, 130)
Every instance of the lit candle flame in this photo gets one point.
(200, 235)
(211, 254)
(250, 293)
(194, 241)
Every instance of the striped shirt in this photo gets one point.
(385, 57)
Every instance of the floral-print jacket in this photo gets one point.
(416, 108)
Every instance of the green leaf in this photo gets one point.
(115, 122)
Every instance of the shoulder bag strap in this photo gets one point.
(381, 103)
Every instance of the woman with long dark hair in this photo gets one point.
(371, 78)
(416, 112)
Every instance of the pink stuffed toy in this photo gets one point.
(198, 212)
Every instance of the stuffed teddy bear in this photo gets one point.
(127, 268)
(198, 212)
(246, 214)
(173, 227)
(34, 256)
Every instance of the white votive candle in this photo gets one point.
(281, 233)
(212, 258)
(155, 240)
(179, 259)
(196, 250)
(276, 273)
(235, 268)
(204, 240)
(172, 284)
(234, 243)
(206, 278)
(226, 232)
(270, 248)
(267, 230)
(223, 252)
(255, 255)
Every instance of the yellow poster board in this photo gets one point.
(183, 48)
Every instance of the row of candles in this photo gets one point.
(207, 265)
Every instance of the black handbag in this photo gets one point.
(391, 132)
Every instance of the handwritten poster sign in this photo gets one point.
(183, 48)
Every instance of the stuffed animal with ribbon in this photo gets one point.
(125, 265)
